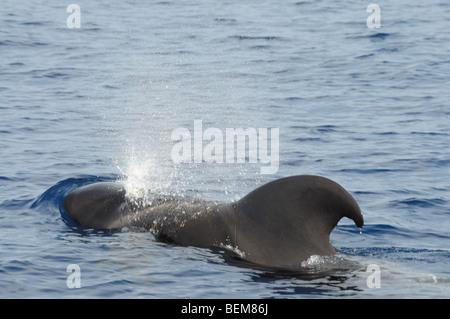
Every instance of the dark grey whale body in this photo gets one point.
(280, 224)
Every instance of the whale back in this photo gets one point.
(279, 224)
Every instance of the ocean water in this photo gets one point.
(366, 107)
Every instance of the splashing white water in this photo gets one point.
(139, 175)
(135, 178)
(234, 249)
(330, 262)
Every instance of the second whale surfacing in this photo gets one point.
(280, 224)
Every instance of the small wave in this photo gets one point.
(53, 75)
(430, 133)
(379, 35)
(364, 56)
(226, 20)
(307, 139)
(301, 3)
(15, 204)
(260, 47)
(386, 133)
(418, 202)
(52, 199)
(8, 42)
(265, 38)
(112, 87)
(430, 279)
(17, 43)
(368, 171)
(380, 231)
(326, 128)
(33, 23)
(294, 98)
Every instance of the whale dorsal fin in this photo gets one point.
(286, 221)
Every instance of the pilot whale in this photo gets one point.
(280, 224)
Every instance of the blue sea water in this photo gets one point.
(366, 107)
